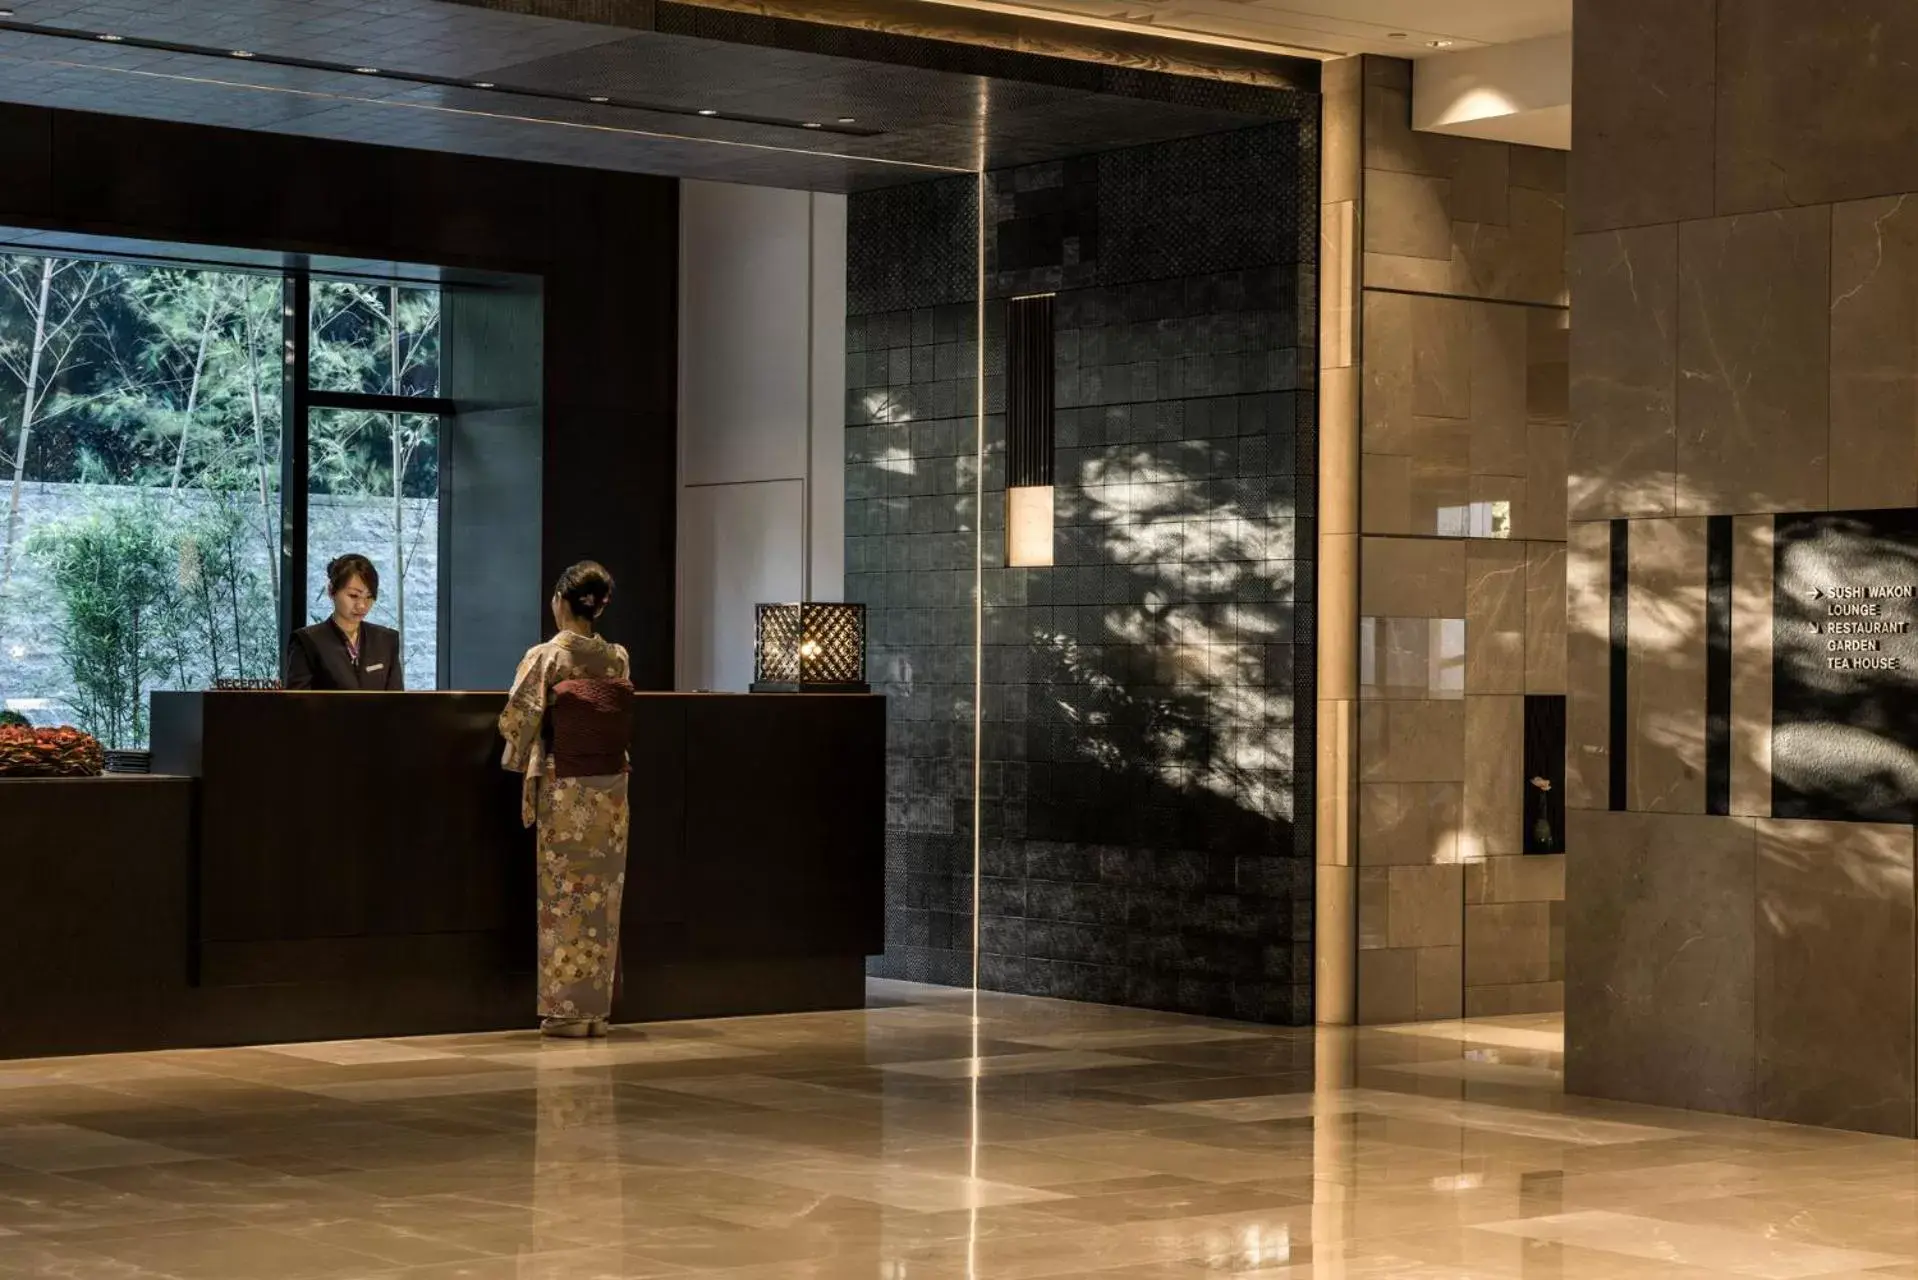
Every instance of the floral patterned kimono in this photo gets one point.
(566, 725)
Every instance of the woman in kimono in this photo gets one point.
(566, 727)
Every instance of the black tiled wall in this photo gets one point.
(1145, 791)
(912, 359)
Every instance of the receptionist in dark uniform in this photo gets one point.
(346, 652)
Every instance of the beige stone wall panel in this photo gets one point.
(1754, 396)
(1665, 667)
(1624, 369)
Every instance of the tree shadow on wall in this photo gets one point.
(1161, 663)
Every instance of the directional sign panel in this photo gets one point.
(1845, 666)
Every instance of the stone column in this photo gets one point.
(1744, 358)
(1442, 562)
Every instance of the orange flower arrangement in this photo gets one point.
(49, 753)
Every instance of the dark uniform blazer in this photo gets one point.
(317, 658)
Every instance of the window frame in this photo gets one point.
(299, 398)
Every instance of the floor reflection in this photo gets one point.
(926, 1138)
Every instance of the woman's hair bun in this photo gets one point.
(586, 587)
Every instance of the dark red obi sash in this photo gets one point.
(591, 723)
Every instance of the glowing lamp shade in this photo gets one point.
(809, 648)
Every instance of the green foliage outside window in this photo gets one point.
(140, 461)
(112, 572)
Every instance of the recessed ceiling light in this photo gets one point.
(6, 13)
(708, 111)
(601, 98)
(848, 120)
(113, 39)
(241, 53)
(810, 124)
(367, 71)
(482, 84)
(1440, 44)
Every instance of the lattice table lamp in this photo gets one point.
(810, 648)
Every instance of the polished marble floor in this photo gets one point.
(913, 1141)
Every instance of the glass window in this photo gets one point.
(140, 442)
(141, 452)
(373, 482)
(375, 339)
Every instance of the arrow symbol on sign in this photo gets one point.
(1816, 594)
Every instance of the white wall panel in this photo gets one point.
(739, 546)
(828, 476)
(745, 337)
(762, 415)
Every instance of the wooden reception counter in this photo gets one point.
(312, 866)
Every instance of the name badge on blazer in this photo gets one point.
(378, 666)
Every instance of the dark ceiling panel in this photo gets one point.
(924, 116)
(418, 35)
(1003, 46)
(902, 123)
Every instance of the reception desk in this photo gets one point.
(323, 866)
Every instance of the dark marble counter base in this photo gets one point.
(222, 909)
